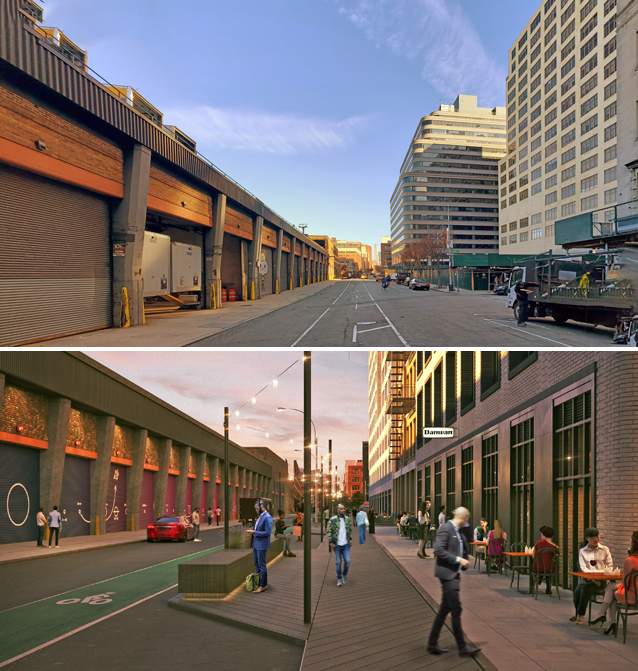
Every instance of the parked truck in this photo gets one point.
(172, 272)
(592, 289)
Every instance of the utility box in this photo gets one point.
(186, 272)
(156, 264)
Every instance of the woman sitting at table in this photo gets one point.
(545, 543)
(496, 542)
(616, 590)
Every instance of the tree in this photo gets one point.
(356, 500)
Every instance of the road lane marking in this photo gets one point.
(354, 333)
(378, 328)
(392, 326)
(494, 321)
(30, 627)
(340, 295)
(83, 627)
(310, 328)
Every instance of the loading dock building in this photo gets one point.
(111, 455)
(86, 169)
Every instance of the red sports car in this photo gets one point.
(170, 529)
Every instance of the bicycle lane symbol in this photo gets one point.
(95, 600)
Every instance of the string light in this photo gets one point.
(253, 400)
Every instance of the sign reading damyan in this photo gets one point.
(438, 432)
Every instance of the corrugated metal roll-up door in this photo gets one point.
(116, 499)
(284, 282)
(188, 502)
(55, 269)
(265, 281)
(169, 506)
(146, 515)
(75, 502)
(19, 493)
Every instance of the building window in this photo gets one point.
(588, 86)
(536, 219)
(522, 480)
(610, 132)
(437, 486)
(610, 68)
(450, 491)
(610, 111)
(568, 173)
(490, 479)
(550, 215)
(589, 105)
(610, 47)
(428, 484)
(572, 477)
(589, 124)
(503, 241)
(468, 387)
(490, 373)
(550, 198)
(549, 230)
(537, 188)
(568, 191)
(523, 237)
(569, 155)
(610, 196)
(589, 203)
(512, 239)
(610, 89)
(523, 223)
(537, 233)
(588, 183)
(450, 388)
(589, 163)
(610, 175)
(589, 144)
(610, 153)
(467, 476)
(568, 209)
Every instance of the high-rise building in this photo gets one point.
(386, 252)
(449, 179)
(561, 123)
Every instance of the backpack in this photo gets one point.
(252, 582)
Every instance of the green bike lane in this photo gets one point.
(35, 625)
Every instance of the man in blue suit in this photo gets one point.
(260, 543)
(451, 559)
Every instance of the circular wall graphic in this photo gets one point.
(15, 524)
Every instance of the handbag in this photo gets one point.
(296, 530)
(252, 582)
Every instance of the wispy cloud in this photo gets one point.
(438, 35)
(264, 131)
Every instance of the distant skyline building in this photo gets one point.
(449, 178)
(561, 123)
(386, 252)
(356, 252)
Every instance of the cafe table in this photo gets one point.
(523, 554)
(596, 575)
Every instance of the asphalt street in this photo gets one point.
(360, 313)
(107, 609)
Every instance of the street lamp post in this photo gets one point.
(226, 474)
(323, 493)
(330, 472)
(307, 409)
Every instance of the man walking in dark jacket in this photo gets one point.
(451, 559)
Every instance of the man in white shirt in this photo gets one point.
(55, 522)
(340, 538)
(593, 558)
(442, 518)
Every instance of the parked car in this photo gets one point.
(500, 290)
(364, 277)
(378, 277)
(176, 528)
(422, 285)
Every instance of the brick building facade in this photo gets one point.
(540, 438)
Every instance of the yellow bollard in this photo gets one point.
(97, 525)
(252, 290)
(125, 308)
(276, 286)
(132, 522)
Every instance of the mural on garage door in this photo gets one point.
(265, 271)
(19, 493)
(169, 506)
(146, 514)
(75, 502)
(116, 499)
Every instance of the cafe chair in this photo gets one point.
(630, 581)
(519, 564)
(546, 563)
(494, 553)
(479, 554)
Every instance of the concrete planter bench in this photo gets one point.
(216, 575)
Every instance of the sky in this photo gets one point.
(202, 383)
(308, 104)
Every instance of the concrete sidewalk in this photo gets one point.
(515, 631)
(11, 553)
(184, 327)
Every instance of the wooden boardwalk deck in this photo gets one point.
(343, 633)
(278, 612)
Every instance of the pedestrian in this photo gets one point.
(340, 538)
(431, 528)
(362, 523)
(41, 521)
(218, 514)
(371, 517)
(326, 517)
(209, 516)
(523, 303)
(442, 517)
(260, 542)
(280, 532)
(195, 518)
(299, 523)
(451, 559)
(423, 523)
(55, 523)
(354, 516)
(591, 558)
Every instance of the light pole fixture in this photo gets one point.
(307, 566)
(226, 476)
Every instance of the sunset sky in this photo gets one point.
(202, 383)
